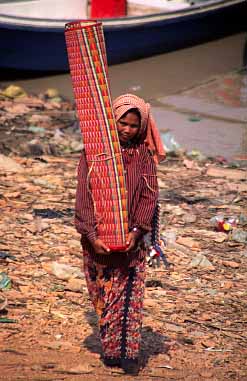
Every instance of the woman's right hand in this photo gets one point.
(100, 247)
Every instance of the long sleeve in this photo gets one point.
(147, 201)
(85, 221)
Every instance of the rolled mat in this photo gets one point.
(89, 72)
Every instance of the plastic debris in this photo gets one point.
(156, 256)
(171, 297)
(65, 272)
(169, 237)
(36, 129)
(170, 143)
(239, 235)
(52, 93)
(195, 119)
(5, 282)
(5, 255)
(76, 146)
(13, 91)
(222, 224)
(7, 320)
(201, 261)
(220, 159)
(196, 155)
(52, 213)
(135, 88)
(243, 219)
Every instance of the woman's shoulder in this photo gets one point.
(140, 151)
(145, 151)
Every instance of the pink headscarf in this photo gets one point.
(148, 133)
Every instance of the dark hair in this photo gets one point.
(134, 111)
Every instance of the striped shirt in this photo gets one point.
(142, 188)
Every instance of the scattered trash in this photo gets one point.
(156, 256)
(189, 218)
(9, 165)
(190, 164)
(5, 282)
(243, 219)
(5, 255)
(52, 93)
(196, 155)
(58, 337)
(212, 349)
(223, 224)
(169, 237)
(63, 271)
(195, 119)
(76, 146)
(44, 183)
(13, 91)
(165, 366)
(239, 235)
(169, 142)
(7, 320)
(220, 160)
(135, 88)
(38, 225)
(37, 130)
(201, 261)
(205, 286)
(52, 213)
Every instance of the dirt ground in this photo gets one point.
(195, 313)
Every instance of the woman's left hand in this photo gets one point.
(132, 240)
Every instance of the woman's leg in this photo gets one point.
(117, 295)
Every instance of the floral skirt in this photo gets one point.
(117, 295)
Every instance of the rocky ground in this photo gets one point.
(195, 313)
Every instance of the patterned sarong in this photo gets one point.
(117, 295)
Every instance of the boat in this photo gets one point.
(38, 43)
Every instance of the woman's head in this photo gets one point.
(132, 111)
(130, 105)
(128, 126)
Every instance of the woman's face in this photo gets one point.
(128, 127)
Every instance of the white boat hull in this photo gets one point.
(46, 9)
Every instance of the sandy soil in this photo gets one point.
(195, 314)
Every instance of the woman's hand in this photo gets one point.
(132, 240)
(100, 247)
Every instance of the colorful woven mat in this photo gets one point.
(89, 73)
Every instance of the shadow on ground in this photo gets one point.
(152, 343)
(92, 342)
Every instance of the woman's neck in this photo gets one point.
(128, 144)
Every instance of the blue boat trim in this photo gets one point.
(39, 44)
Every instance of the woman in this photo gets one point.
(116, 280)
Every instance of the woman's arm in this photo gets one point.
(85, 221)
(148, 196)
